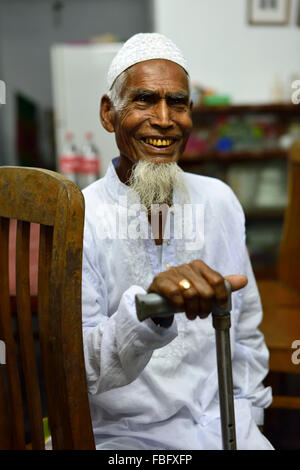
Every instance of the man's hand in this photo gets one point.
(207, 286)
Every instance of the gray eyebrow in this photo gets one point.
(178, 95)
(144, 92)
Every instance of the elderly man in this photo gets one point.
(153, 384)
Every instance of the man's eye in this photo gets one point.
(142, 98)
(176, 102)
(145, 98)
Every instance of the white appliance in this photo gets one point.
(78, 81)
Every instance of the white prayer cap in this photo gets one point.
(141, 47)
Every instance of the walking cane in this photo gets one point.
(154, 305)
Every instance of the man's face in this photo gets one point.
(155, 122)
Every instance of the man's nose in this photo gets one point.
(161, 116)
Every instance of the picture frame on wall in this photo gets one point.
(269, 12)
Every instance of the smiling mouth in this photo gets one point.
(159, 142)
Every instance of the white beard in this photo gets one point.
(154, 183)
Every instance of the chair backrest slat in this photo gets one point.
(45, 326)
(11, 351)
(6, 433)
(25, 329)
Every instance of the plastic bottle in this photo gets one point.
(277, 91)
(68, 161)
(89, 166)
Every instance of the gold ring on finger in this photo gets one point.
(185, 284)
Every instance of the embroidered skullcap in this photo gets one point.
(141, 47)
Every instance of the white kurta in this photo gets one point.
(152, 387)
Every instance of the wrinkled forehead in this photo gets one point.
(157, 75)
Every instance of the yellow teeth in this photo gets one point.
(159, 142)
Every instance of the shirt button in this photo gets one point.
(168, 242)
(167, 265)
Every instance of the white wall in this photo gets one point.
(226, 53)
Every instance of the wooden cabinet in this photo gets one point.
(246, 146)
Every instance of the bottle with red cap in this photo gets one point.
(68, 161)
(89, 166)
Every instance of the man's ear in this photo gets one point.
(191, 105)
(107, 113)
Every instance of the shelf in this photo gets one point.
(268, 213)
(247, 109)
(244, 155)
(218, 164)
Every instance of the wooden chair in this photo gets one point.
(43, 197)
(281, 297)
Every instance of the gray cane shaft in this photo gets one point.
(226, 389)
